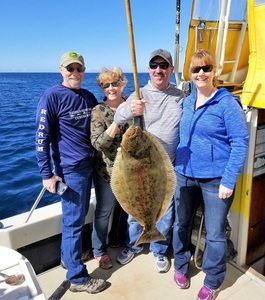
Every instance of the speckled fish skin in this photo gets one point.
(143, 181)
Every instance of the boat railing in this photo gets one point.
(44, 223)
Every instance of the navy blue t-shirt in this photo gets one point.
(63, 130)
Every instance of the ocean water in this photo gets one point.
(20, 181)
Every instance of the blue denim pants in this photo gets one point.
(164, 225)
(75, 205)
(104, 206)
(190, 192)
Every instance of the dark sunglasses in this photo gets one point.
(206, 68)
(113, 84)
(162, 65)
(78, 69)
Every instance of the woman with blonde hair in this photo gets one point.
(106, 137)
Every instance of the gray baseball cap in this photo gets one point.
(162, 53)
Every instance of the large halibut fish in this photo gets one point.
(143, 180)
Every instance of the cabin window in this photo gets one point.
(210, 10)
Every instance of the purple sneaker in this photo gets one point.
(206, 293)
(181, 280)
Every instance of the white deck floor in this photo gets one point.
(139, 280)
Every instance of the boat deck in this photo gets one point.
(139, 280)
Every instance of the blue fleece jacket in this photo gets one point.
(213, 138)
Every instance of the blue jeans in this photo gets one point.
(105, 203)
(75, 205)
(164, 225)
(188, 195)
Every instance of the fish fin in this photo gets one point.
(149, 236)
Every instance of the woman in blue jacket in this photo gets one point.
(210, 156)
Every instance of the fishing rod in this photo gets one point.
(35, 204)
(177, 47)
(60, 189)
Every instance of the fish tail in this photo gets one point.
(150, 236)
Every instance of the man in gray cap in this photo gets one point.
(64, 153)
(160, 107)
(162, 53)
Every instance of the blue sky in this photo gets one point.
(35, 33)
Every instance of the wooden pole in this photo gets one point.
(132, 47)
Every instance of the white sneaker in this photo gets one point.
(162, 264)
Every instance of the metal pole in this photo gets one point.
(35, 203)
(197, 248)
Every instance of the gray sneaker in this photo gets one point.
(127, 255)
(92, 286)
(162, 264)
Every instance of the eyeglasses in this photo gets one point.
(78, 69)
(206, 68)
(113, 84)
(162, 65)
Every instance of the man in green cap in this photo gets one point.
(64, 153)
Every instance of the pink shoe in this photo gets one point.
(206, 293)
(181, 280)
(104, 261)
